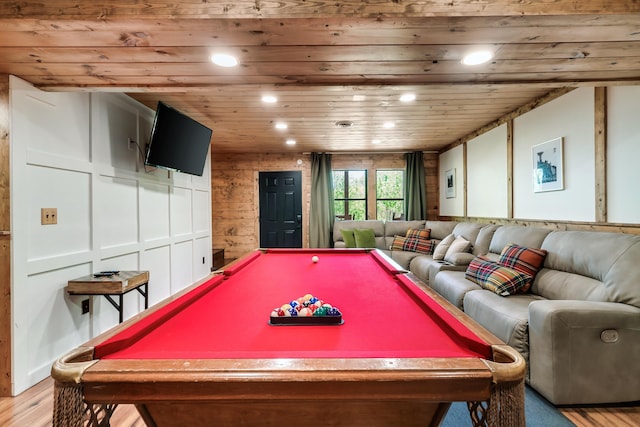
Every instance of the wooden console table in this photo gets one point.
(116, 284)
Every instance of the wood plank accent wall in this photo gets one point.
(5, 241)
(234, 191)
(235, 197)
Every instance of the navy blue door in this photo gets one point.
(280, 209)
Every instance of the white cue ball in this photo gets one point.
(314, 258)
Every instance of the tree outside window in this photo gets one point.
(390, 194)
(350, 194)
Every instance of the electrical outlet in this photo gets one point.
(49, 216)
(131, 144)
(85, 306)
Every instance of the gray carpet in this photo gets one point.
(538, 413)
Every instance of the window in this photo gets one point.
(390, 194)
(350, 194)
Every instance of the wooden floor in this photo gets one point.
(33, 408)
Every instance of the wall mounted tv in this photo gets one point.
(177, 142)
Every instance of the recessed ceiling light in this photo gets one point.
(477, 58)
(224, 60)
(344, 124)
(376, 141)
(281, 125)
(389, 125)
(269, 99)
(359, 97)
(291, 142)
(408, 97)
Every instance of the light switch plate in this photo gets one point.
(49, 216)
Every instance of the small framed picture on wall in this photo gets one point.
(450, 182)
(547, 166)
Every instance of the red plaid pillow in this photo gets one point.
(419, 233)
(398, 243)
(422, 246)
(522, 259)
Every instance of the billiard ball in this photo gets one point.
(314, 258)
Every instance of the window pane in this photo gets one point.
(357, 209)
(389, 184)
(338, 185)
(338, 206)
(389, 209)
(357, 184)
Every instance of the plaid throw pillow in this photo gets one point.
(506, 281)
(525, 260)
(422, 246)
(492, 276)
(419, 233)
(398, 243)
(479, 269)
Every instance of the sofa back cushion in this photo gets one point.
(531, 237)
(375, 225)
(481, 245)
(589, 265)
(440, 229)
(468, 230)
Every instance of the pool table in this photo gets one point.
(210, 356)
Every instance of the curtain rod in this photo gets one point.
(370, 152)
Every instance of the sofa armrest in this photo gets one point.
(584, 352)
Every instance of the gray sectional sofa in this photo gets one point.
(578, 326)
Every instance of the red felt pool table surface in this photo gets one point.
(210, 357)
(385, 315)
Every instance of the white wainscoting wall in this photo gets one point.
(71, 151)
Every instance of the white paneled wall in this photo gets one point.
(487, 168)
(571, 117)
(73, 152)
(623, 153)
(452, 160)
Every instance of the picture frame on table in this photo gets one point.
(450, 183)
(548, 171)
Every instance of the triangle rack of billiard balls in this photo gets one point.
(306, 310)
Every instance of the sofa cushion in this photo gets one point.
(492, 276)
(468, 230)
(531, 237)
(440, 229)
(506, 318)
(608, 258)
(365, 237)
(348, 237)
(403, 258)
(452, 286)
(441, 250)
(525, 260)
(482, 242)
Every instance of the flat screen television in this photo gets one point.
(177, 142)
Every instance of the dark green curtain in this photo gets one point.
(322, 214)
(415, 189)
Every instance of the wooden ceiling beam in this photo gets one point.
(167, 9)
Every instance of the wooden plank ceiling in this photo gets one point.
(325, 61)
